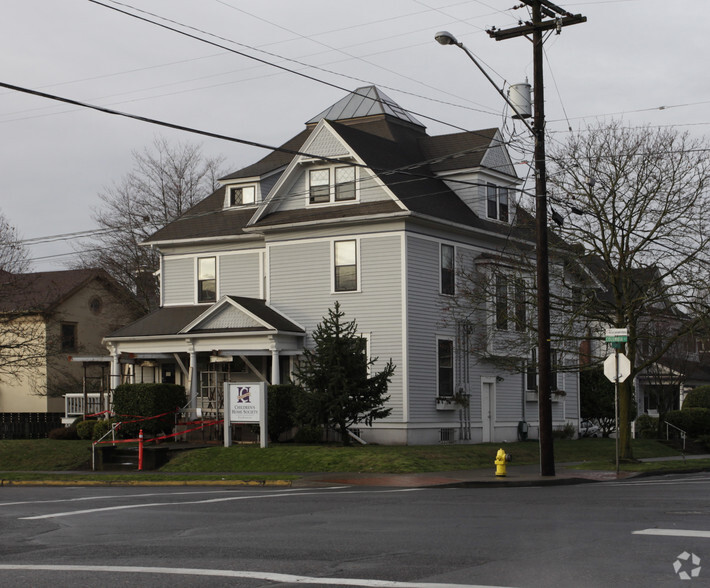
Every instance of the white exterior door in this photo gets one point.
(488, 409)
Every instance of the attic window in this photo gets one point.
(336, 184)
(319, 185)
(497, 202)
(242, 195)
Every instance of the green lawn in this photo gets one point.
(389, 459)
(243, 460)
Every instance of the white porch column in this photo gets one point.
(193, 377)
(114, 379)
(275, 368)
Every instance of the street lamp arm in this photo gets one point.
(446, 38)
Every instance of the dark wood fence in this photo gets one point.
(28, 425)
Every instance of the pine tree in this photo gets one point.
(337, 390)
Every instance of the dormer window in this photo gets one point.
(319, 185)
(241, 195)
(337, 184)
(497, 202)
(344, 183)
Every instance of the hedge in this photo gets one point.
(694, 421)
(131, 401)
(697, 398)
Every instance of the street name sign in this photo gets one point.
(617, 335)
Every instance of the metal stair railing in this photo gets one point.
(683, 434)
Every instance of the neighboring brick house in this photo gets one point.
(365, 208)
(54, 316)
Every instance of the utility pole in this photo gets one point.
(534, 31)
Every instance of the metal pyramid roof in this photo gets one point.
(365, 101)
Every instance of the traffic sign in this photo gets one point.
(610, 367)
(617, 335)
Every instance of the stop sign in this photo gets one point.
(610, 367)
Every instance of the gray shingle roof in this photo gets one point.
(173, 319)
(387, 139)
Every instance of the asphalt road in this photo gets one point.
(628, 533)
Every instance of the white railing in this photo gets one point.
(683, 434)
(74, 404)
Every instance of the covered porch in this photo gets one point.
(202, 347)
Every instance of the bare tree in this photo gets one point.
(166, 180)
(22, 342)
(639, 203)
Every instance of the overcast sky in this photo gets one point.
(640, 60)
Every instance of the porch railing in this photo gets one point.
(74, 404)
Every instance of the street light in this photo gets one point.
(446, 38)
(547, 460)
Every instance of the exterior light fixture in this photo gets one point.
(446, 38)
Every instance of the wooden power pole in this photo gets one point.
(534, 31)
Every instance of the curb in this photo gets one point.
(254, 483)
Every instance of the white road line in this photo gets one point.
(205, 501)
(148, 494)
(271, 577)
(676, 482)
(674, 533)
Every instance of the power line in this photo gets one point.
(253, 57)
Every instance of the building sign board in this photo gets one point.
(245, 403)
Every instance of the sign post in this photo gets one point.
(245, 403)
(617, 368)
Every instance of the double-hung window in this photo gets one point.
(501, 302)
(531, 372)
(336, 184)
(319, 185)
(448, 269)
(344, 183)
(510, 303)
(345, 258)
(445, 361)
(206, 279)
(497, 202)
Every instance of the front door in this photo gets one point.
(488, 409)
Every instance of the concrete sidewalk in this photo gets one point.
(523, 475)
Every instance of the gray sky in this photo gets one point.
(629, 60)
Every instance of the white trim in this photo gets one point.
(404, 258)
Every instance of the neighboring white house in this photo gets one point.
(365, 208)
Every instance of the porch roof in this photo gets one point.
(194, 319)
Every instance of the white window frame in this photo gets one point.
(197, 279)
(438, 367)
(232, 188)
(499, 190)
(512, 281)
(358, 265)
(441, 269)
(332, 172)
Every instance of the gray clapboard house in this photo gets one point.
(365, 208)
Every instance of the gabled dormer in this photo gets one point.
(477, 167)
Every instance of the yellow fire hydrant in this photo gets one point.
(501, 458)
